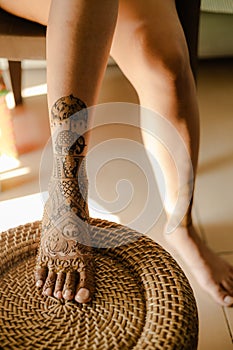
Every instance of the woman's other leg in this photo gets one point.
(150, 48)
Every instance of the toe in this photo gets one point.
(49, 283)
(70, 285)
(221, 296)
(82, 295)
(228, 301)
(228, 286)
(40, 276)
(59, 285)
(85, 288)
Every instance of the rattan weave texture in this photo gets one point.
(142, 300)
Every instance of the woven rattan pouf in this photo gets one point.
(142, 300)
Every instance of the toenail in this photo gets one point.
(228, 300)
(58, 294)
(82, 295)
(39, 284)
(48, 292)
(68, 294)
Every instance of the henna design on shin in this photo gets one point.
(66, 107)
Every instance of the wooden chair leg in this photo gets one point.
(189, 14)
(16, 80)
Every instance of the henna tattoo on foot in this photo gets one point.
(65, 241)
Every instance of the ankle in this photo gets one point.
(174, 223)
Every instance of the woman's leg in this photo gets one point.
(79, 36)
(150, 48)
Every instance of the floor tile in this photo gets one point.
(214, 188)
(214, 333)
(213, 198)
(116, 87)
(25, 184)
(19, 211)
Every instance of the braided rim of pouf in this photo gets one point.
(142, 301)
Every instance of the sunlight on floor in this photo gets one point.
(37, 90)
(26, 209)
(10, 174)
(8, 163)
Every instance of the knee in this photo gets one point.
(166, 58)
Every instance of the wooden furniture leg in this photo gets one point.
(16, 80)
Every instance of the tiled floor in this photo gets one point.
(213, 205)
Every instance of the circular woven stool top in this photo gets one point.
(142, 300)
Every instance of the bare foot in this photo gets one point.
(213, 273)
(65, 262)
